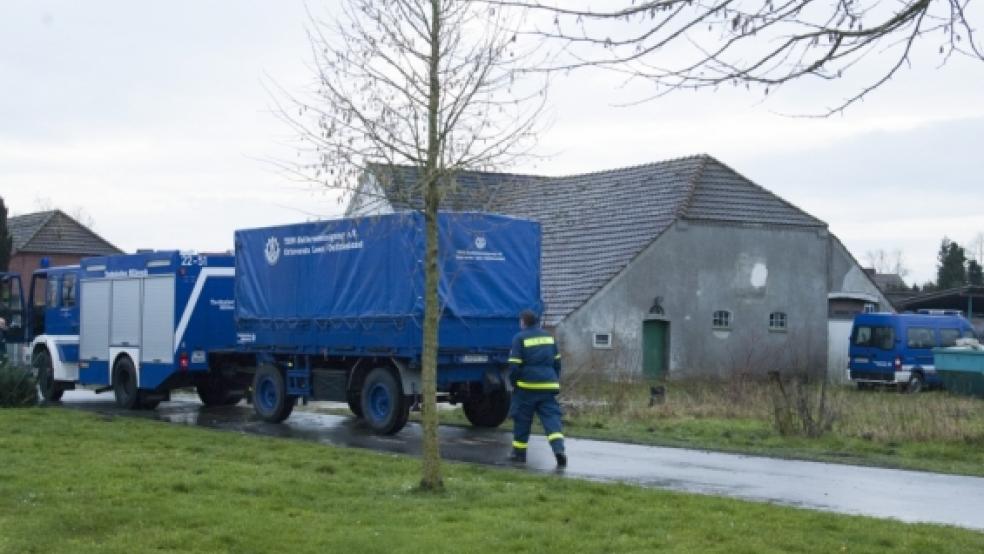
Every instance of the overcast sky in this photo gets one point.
(150, 117)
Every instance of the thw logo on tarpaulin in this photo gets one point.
(272, 250)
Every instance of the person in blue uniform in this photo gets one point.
(534, 370)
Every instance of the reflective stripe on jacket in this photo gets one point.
(534, 361)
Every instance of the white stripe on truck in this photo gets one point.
(195, 294)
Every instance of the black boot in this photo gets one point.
(517, 457)
(561, 459)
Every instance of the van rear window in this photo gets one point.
(920, 337)
(874, 337)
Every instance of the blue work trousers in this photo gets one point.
(544, 404)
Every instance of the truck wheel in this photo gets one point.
(216, 392)
(270, 400)
(354, 399)
(383, 405)
(489, 409)
(125, 384)
(50, 389)
(149, 403)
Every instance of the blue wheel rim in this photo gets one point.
(380, 402)
(266, 394)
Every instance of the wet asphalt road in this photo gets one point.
(908, 496)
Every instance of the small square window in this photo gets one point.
(777, 321)
(722, 320)
(602, 340)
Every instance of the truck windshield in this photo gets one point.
(874, 337)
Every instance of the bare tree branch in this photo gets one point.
(760, 43)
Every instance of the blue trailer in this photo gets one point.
(137, 324)
(334, 310)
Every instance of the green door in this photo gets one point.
(655, 338)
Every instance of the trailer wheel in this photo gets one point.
(383, 406)
(270, 400)
(125, 384)
(50, 389)
(354, 399)
(489, 409)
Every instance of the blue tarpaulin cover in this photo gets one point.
(371, 268)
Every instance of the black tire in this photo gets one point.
(916, 384)
(354, 399)
(149, 403)
(489, 409)
(215, 391)
(234, 398)
(865, 386)
(51, 390)
(270, 400)
(383, 405)
(125, 384)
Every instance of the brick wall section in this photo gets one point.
(26, 262)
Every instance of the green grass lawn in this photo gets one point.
(80, 482)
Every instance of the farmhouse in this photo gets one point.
(677, 268)
(53, 235)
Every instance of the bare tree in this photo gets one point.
(78, 213)
(429, 84)
(694, 44)
(883, 261)
(975, 248)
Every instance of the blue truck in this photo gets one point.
(334, 310)
(331, 310)
(139, 325)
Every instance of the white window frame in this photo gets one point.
(775, 318)
(728, 320)
(606, 345)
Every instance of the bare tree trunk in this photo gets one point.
(431, 478)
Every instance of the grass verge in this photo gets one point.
(79, 482)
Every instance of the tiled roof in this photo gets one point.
(54, 232)
(889, 281)
(595, 224)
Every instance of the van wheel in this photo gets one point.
(916, 383)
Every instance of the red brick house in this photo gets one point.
(53, 235)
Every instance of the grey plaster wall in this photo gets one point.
(848, 277)
(701, 268)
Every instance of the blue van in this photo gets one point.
(897, 349)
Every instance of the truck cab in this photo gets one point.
(12, 333)
(52, 328)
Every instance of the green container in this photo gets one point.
(962, 371)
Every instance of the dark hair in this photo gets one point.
(528, 317)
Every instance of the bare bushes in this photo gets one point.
(800, 406)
